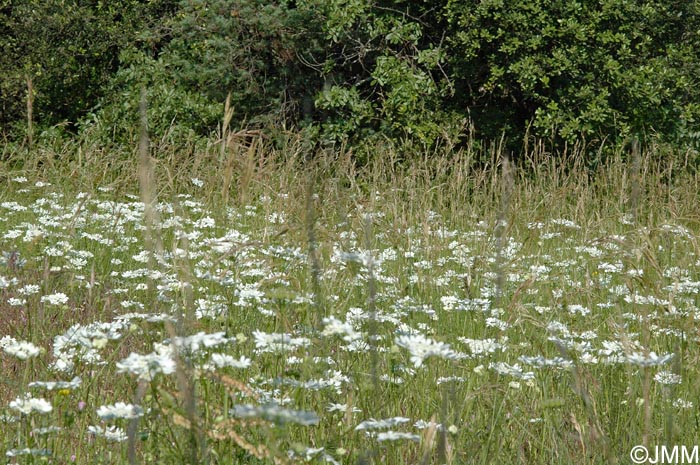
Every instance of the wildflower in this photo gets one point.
(611, 267)
(580, 309)
(503, 368)
(334, 326)
(120, 410)
(111, 433)
(209, 309)
(682, 404)
(20, 349)
(541, 362)
(202, 223)
(146, 367)
(421, 348)
(422, 424)
(28, 404)
(341, 408)
(649, 360)
(46, 430)
(29, 289)
(275, 413)
(58, 298)
(335, 380)
(381, 424)
(223, 360)
(196, 341)
(397, 436)
(27, 451)
(666, 377)
(277, 342)
(306, 453)
(496, 323)
(565, 223)
(482, 346)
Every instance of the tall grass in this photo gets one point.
(481, 310)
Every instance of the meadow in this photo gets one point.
(247, 305)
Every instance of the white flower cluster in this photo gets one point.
(111, 433)
(146, 367)
(277, 342)
(120, 410)
(275, 413)
(421, 348)
(516, 371)
(20, 349)
(28, 405)
(373, 424)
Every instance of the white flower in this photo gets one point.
(683, 404)
(381, 424)
(496, 323)
(28, 451)
(421, 348)
(21, 349)
(503, 368)
(275, 413)
(341, 408)
(650, 360)
(447, 379)
(59, 298)
(333, 326)
(111, 433)
(120, 410)
(482, 346)
(29, 289)
(51, 385)
(46, 430)
(223, 360)
(196, 341)
(576, 308)
(565, 223)
(541, 362)
(422, 424)
(277, 342)
(7, 341)
(666, 377)
(146, 367)
(396, 436)
(30, 404)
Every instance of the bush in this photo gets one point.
(69, 50)
(359, 71)
(172, 110)
(594, 70)
(591, 69)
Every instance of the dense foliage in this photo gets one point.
(358, 70)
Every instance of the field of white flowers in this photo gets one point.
(351, 324)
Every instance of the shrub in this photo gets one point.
(68, 49)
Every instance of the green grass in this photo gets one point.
(575, 277)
